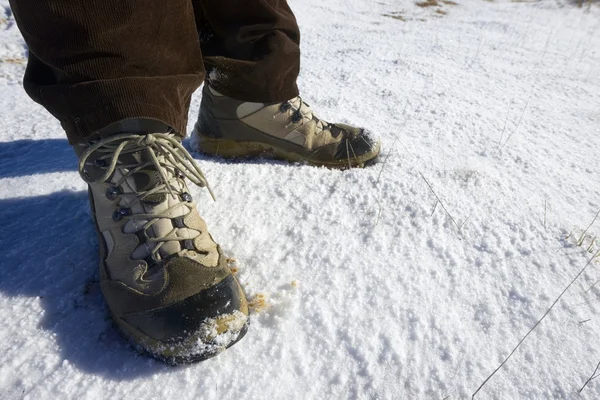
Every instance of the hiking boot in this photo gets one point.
(166, 282)
(231, 128)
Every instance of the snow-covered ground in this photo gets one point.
(373, 287)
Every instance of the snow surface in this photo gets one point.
(372, 290)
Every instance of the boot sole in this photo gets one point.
(235, 149)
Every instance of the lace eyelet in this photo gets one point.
(120, 213)
(296, 118)
(187, 197)
(285, 106)
(112, 193)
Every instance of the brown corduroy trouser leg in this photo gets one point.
(94, 63)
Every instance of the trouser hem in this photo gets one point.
(85, 108)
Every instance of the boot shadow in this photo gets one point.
(51, 253)
(29, 157)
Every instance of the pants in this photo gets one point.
(94, 63)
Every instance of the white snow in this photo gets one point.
(372, 290)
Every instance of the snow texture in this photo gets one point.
(368, 286)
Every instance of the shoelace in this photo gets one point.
(297, 104)
(299, 116)
(165, 153)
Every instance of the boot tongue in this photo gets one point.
(145, 180)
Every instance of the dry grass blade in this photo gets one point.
(348, 153)
(545, 210)
(441, 203)
(582, 237)
(506, 121)
(536, 324)
(389, 154)
(591, 287)
(434, 208)
(427, 3)
(535, 81)
(593, 376)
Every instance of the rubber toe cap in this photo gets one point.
(176, 322)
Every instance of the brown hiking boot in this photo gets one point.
(165, 280)
(231, 128)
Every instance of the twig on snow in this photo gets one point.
(536, 324)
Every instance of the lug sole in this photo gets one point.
(235, 149)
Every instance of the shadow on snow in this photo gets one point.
(28, 157)
(50, 253)
(50, 250)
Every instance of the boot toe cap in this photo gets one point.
(361, 146)
(196, 328)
